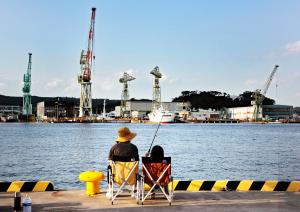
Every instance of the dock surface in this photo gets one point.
(76, 200)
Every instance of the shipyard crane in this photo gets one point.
(27, 106)
(125, 93)
(259, 96)
(156, 95)
(84, 78)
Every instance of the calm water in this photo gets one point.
(59, 152)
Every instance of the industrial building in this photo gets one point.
(139, 109)
(296, 113)
(277, 112)
(269, 112)
(202, 114)
(10, 112)
(56, 109)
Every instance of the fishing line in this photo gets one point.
(155, 133)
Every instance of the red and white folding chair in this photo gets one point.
(157, 174)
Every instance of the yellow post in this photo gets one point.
(92, 179)
(92, 188)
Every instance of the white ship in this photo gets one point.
(162, 116)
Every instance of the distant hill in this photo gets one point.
(97, 103)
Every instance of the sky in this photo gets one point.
(226, 45)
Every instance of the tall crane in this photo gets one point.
(156, 95)
(84, 78)
(125, 93)
(259, 96)
(27, 106)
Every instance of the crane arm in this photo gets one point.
(269, 80)
(27, 76)
(87, 56)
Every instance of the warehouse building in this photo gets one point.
(10, 110)
(202, 114)
(277, 112)
(56, 109)
(269, 112)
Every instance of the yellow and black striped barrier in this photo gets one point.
(26, 186)
(243, 185)
(188, 185)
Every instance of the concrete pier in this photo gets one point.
(76, 200)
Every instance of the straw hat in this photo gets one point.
(125, 135)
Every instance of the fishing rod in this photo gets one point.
(159, 123)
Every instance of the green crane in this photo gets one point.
(27, 106)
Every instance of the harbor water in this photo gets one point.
(59, 152)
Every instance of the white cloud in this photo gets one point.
(293, 47)
(105, 82)
(108, 83)
(54, 83)
(296, 74)
(298, 94)
(72, 87)
(251, 82)
(167, 80)
(2, 85)
(2, 80)
(129, 71)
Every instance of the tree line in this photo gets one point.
(198, 99)
(217, 100)
(97, 103)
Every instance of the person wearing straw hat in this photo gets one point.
(124, 147)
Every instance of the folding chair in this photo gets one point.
(121, 172)
(157, 173)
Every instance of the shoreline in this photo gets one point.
(118, 121)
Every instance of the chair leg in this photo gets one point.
(172, 190)
(142, 189)
(112, 189)
(137, 195)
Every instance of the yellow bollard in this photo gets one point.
(92, 179)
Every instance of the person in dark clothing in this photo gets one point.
(157, 152)
(124, 147)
